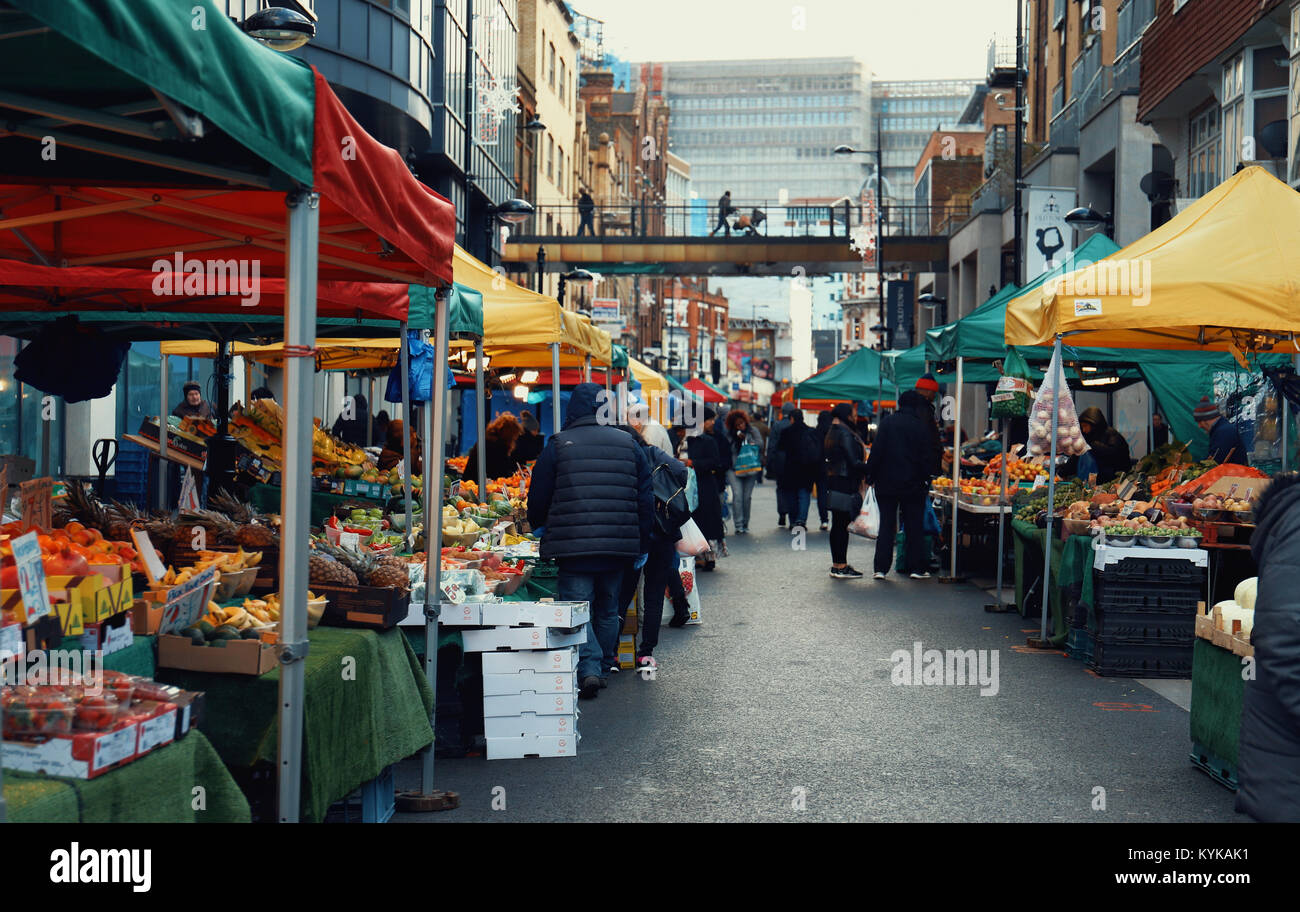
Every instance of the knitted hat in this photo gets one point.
(927, 382)
(788, 409)
(709, 413)
(191, 385)
(1205, 410)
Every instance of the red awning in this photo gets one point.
(26, 286)
(703, 390)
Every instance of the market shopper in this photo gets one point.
(1225, 443)
(745, 444)
(702, 454)
(801, 463)
(1159, 430)
(724, 455)
(194, 405)
(529, 445)
(591, 497)
(823, 490)
(394, 450)
(1268, 759)
(501, 436)
(1106, 445)
(353, 430)
(651, 431)
(904, 457)
(776, 459)
(846, 468)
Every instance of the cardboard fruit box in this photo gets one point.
(369, 607)
(80, 755)
(246, 657)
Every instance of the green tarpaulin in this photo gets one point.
(904, 368)
(856, 378)
(464, 319)
(188, 50)
(619, 357)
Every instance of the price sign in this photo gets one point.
(189, 494)
(350, 540)
(453, 593)
(35, 497)
(31, 576)
(153, 567)
(186, 602)
(11, 642)
(1040, 480)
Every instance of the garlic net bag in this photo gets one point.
(1054, 398)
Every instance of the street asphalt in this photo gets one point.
(780, 707)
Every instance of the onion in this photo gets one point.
(1042, 415)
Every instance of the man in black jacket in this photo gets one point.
(1108, 446)
(1268, 760)
(904, 457)
(591, 495)
(776, 460)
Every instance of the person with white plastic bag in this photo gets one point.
(868, 522)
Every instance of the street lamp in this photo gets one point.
(843, 149)
(511, 212)
(1084, 217)
(935, 302)
(279, 29)
(577, 275)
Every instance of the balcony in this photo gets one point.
(1002, 63)
(1111, 82)
(1133, 18)
(1064, 133)
(994, 195)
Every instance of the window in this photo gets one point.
(551, 71)
(1254, 97)
(1203, 158)
(564, 79)
(550, 158)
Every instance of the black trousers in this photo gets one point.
(840, 536)
(912, 505)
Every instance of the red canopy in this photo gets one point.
(703, 390)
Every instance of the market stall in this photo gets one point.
(137, 207)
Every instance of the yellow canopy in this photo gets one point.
(654, 389)
(519, 325)
(332, 354)
(1220, 274)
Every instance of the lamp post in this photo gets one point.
(511, 212)
(933, 302)
(1085, 217)
(880, 212)
(534, 128)
(577, 275)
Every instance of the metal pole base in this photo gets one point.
(1034, 642)
(414, 802)
(1003, 608)
(952, 579)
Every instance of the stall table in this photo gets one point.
(1217, 693)
(368, 706)
(157, 788)
(265, 498)
(1071, 566)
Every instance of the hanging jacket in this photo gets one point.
(906, 453)
(591, 488)
(1268, 759)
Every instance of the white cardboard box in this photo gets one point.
(513, 638)
(537, 614)
(53, 757)
(513, 662)
(466, 614)
(532, 746)
(529, 724)
(157, 732)
(530, 682)
(545, 704)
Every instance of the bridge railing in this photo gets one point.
(746, 220)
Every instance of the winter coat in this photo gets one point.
(775, 454)
(1268, 759)
(1108, 446)
(527, 448)
(724, 448)
(844, 451)
(906, 453)
(501, 461)
(798, 472)
(710, 474)
(591, 487)
(1225, 440)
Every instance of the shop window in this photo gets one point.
(1203, 159)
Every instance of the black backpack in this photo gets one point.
(668, 482)
(811, 450)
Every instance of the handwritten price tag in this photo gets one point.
(31, 576)
(35, 497)
(187, 601)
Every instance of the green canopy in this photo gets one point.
(856, 378)
(464, 318)
(189, 51)
(620, 357)
(982, 332)
(674, 384)
(904, 368)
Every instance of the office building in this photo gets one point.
(908, 112)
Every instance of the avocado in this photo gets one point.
(225, 632)
(195, 634)
(219, 642)
(205, 627)
(250, 634)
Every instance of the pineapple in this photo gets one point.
(123, 517)
(321, 571)
(253, 530)
(82, 506)
(369, 568)
(219, 526)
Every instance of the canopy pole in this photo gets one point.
(956, 467)
(295, 506)
(1002, 518)
(617, 417)
(555, 387)
(435, 433)
(370, 423)
(480, 420)
(1059, 381)
(1286, 426)
(586, 368)
(408, 467)
(1151, 419)
(162, 431)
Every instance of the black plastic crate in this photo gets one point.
(1168, 632)
(1147, 660)
(1148, 599)
(1153, 570)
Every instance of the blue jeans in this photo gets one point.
(600, 650)
(794, 502)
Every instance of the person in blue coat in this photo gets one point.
(592, 499)
(1225, 443)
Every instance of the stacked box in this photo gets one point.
(1145, 605)
(530, 679)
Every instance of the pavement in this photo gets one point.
(780, 706)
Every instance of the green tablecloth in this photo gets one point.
(136, 659)
(1217, 692)
(157, 788)
(1071, 566)
(356, 725)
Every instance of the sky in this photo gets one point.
(897, 39)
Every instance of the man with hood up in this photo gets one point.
(591, 499)
(1107, 445)
(905, 456)
(1268, 761)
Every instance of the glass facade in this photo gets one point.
(909, 112)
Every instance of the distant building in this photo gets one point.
(909, 111)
